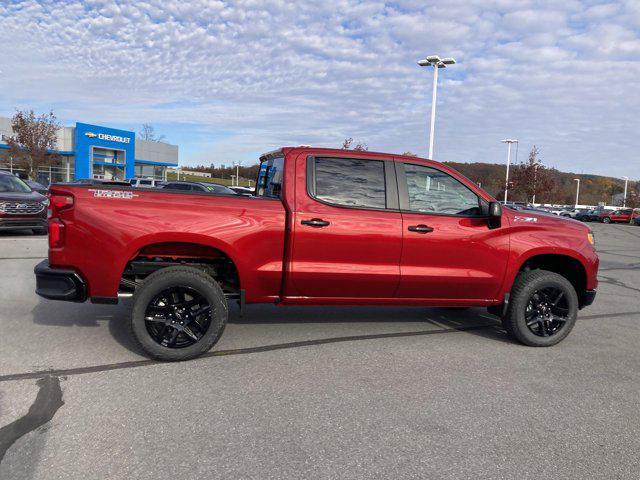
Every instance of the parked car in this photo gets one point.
(617, 216)
(243, 190)
(101, 181)
(636, 220)
(572, 212)
(37, 187)
(205, 187)
(21, 208)
(326, 227)
(588, 216)
(145, 182)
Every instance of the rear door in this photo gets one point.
(347, 231)
(448, 250)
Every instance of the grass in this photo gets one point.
(195, 178)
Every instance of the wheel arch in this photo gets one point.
(184, 249)
(569, 266)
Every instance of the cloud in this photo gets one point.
(227, 80)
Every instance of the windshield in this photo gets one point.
(10, 183)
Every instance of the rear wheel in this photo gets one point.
(179, 313)
(543, 308)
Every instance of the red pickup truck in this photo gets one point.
(325, 227)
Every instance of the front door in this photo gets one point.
(448, 250)
(347, 231)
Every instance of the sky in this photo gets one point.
(228, 80)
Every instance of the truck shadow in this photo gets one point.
(473, 321)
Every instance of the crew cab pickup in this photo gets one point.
(324, 227)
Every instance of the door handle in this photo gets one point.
(315, 222)
(420, 228)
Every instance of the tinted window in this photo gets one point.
(178, 186)
(352, 182)
(433, 191)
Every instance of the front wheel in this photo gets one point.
(178, 313)
(606, 220)
(542, 310)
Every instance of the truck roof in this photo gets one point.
(284, 150)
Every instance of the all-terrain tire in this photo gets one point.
(159, 281)
(524, 288)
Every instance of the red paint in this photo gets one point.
(624, 215)
(361, 257)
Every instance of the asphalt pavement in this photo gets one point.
(321, 392)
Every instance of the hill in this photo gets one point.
(593, 188)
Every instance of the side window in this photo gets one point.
(270, 177)
(433, 191)
(350, 181)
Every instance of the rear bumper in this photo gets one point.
(588, 298)
(59, 284)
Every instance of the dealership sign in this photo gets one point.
(110, 138)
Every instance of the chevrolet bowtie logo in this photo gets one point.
(91, 134)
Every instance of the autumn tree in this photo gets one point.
(347, 144)
(531, 180)
(148, 133)
(409, 154)
(633, 196)
(33, 139)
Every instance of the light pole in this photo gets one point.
(237, 164)
(436, 62)
(508, 141)
(577, 190)
(624, 200)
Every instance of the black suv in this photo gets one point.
(20, 207)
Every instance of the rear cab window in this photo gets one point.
(270, 178)
(350, 182)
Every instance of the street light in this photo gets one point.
(508, 141)
(624, 200)
(577, 190)
(436, 62)
(237, 165)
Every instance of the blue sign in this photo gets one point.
(94, 136)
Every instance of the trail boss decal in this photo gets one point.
(112, 193)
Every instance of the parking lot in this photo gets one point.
(321, 392)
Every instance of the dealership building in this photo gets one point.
(94, 151)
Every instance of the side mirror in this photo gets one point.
(495, 215)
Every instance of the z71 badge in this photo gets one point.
(112, 193)
(518, 218)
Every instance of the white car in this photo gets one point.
(145, 182)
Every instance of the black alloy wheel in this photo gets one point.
(178, 317)
(542, 308)
(547, 311)
(178, 313)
